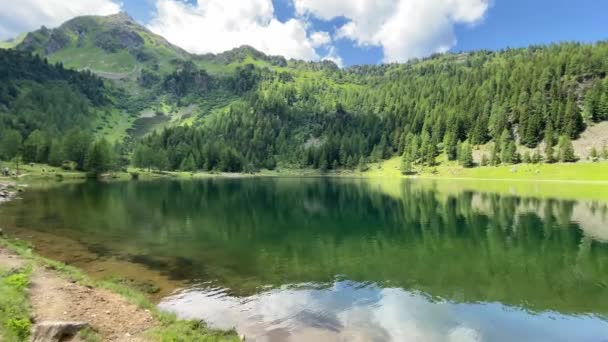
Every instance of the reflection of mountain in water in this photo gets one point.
(245, 234)
(590, 216)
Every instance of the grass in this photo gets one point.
(170, 328)
(114, 126)
(94, 58)
(15, 322)
(581, 171)
(89, 335)
(11, 43)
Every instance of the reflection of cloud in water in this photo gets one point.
(347, 311)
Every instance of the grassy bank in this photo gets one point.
(579, 172)
(15, 316)
(15, 313)
(572, 172)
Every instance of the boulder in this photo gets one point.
(55, 331)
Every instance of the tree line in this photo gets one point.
(536, 99)
(75, 150)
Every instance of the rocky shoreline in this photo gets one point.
(8, 191)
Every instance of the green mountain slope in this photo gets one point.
(244, 110)
(112, 44)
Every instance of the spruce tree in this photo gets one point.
(465, 155)
(188, 163)
(495, 155)
(406, 163)
(55, 153)
(362, 166)
(566, 150)
(527, 158)
(484, 160)
(593, 154)
(99, 158)
(536, 157)
(549, 142)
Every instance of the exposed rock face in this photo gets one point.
(58, 40)
(34, 39)
(119, 38)
(55, 331)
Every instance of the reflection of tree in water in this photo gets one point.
(465, 246)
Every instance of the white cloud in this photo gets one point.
(18, 16)
(320, 38)
(219, 25)
(332, 55)
(403, 28)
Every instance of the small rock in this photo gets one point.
(127, 335)
(55, 331)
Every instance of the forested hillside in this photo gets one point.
(243, 110)
(40, 102)
(327, 118)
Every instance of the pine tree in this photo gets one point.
(188, 163)
(450, 146)
(495, 156)
(603, 106)
(55, 153)
(593, 154)
(10, 144)
(465, 155)
(406, 163)
(505, 148)
(484, 160)
(99, 158)
(549, 142)
(527, 158)
(536, 157)
(574, 120)
(592, 110)
(566, 150)
(362, 166)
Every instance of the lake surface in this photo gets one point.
(339, 259)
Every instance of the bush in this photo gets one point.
(15, 320)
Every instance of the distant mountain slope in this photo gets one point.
(36, 95)
(108, 44)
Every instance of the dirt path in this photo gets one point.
(54, 298)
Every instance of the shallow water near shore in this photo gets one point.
(326, 259)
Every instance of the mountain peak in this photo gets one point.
(120, 17)
(113, 43)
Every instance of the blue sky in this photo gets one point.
(506, 23)
(348, 32)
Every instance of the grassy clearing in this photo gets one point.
(15, 322)
(114, 126)
(582, 172)
(94, 58)
(169, 328)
